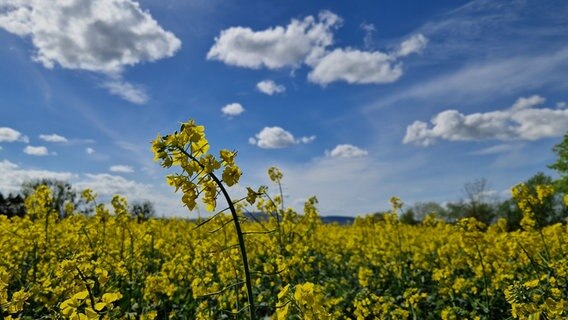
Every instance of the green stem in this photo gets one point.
(46, 229)
(488, 305)
(244, 258)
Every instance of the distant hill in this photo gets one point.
(260, 216)
(338, 219)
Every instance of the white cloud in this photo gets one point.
(95, 35)
(520, 122)
(109, 185)
(414, 44)
(103, 36)
(121, 169)
(276, 137)
(269, 87)
(90, 150)
(273, 137)
(277, 47)
(561, 104)
(52, 138)
(127, 91)
(11, 135)
(233, 109)
(12, 176)
(364, 67)
(346, 151)
(343, 186)
(36, 151)
(307, 41)
(105, 185)
(356, 67)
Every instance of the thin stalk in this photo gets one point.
(545, 245)
(281, 195)
(91, 297)
(240, 237)
(278, 225)
(46, 229)
(248, 281)
(484, 279)
(122, 244)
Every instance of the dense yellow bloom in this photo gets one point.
(227, 156)
(107, 301)
(109, 266)
(385, 270)
(231, 175)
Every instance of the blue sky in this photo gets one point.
(355, 102)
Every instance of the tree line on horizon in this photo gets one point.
(63, 193)
(478, 201)
(481, 204)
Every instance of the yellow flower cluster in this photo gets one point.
(386, 269)
(188, 148)
(529, 201)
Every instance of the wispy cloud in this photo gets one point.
(499, 149)
(121, 169)
(414, 44)
(12, 176)
(128, 91)
(495, 29)
(486, 49)
(483, 81)
(370, 31)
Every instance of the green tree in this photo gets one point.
(549, 212)
(12, 205)
(561, 164)
(409, 217)
(479, 203)
(142, 211)
(480, 200)
(422, 209)
(62, 191)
